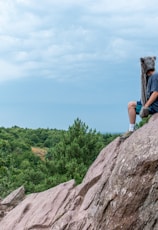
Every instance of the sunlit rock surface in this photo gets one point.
(119, 191)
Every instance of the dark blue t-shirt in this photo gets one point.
(151, 87)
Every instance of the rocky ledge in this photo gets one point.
(119, 191)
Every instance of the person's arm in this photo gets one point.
(151, 99)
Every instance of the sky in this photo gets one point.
(67, 59)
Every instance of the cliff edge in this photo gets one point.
(119, 191)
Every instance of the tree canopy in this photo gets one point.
(68, 155)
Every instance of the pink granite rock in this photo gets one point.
(119, 191)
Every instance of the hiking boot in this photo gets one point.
(126, 135)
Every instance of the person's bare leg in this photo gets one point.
(132, 112)
(132, 119)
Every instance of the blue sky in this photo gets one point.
(66, 59)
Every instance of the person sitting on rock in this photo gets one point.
(151, 105)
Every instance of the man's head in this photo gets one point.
(148, 65)
(149, 72)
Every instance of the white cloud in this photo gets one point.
(57, 36)
(121, 6)
(9, 71)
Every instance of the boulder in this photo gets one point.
(119, 191)
(12, 200)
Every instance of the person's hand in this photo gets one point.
(144, 112)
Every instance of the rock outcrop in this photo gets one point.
(11, 201)
(119, 191)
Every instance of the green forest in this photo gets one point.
(41, 158)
